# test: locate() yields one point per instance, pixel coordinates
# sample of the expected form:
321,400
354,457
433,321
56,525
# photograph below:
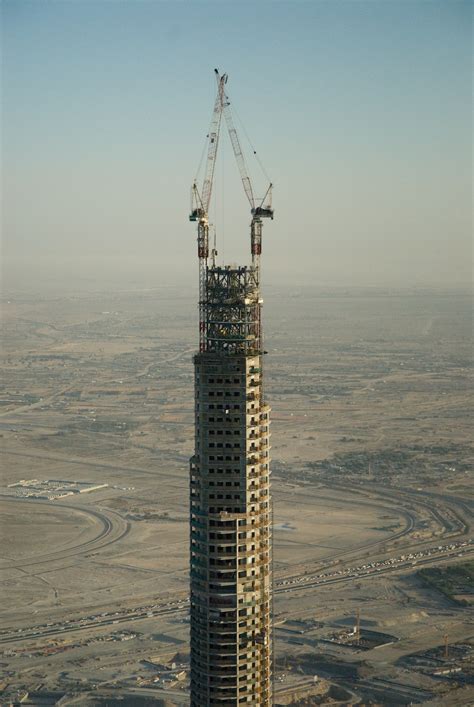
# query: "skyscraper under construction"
230,505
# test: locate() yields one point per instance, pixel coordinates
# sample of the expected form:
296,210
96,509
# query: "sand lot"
372,453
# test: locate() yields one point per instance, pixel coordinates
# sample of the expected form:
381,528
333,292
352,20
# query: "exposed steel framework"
201,199
230,504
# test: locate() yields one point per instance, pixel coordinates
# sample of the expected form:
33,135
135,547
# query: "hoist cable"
251,144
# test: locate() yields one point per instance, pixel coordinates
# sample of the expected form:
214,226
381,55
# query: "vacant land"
372,455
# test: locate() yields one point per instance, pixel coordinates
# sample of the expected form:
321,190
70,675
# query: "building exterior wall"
230,505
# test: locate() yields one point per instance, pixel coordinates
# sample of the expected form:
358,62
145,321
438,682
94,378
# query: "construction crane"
259,211
200,199
263,210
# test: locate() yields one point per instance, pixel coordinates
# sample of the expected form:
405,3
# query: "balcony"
261,487
237,554
221,641
219,551
219,589
224,568
222,580
224,662
253,526
223,614
227,604
224,541
222,633
226,679
222,651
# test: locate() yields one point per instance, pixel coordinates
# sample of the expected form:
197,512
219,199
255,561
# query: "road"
181,606
320,574
114,528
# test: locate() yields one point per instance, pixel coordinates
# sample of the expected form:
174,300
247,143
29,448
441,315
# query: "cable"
202,158
250,143
222,197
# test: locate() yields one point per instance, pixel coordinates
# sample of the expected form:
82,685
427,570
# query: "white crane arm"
214,133
239,156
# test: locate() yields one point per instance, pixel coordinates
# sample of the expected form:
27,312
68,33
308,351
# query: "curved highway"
417,553
113,529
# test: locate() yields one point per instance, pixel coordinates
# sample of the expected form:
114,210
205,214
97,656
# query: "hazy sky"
360,112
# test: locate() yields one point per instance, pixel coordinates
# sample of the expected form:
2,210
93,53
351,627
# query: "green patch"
452,581
388,528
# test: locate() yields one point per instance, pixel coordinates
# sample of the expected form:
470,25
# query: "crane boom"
239,156
214,133
201,201
259,211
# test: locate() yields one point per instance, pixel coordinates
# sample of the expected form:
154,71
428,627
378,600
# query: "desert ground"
371,479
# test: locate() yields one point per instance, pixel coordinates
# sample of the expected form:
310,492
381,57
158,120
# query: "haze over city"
360,113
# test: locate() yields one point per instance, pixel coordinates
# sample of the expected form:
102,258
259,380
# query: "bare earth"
372,457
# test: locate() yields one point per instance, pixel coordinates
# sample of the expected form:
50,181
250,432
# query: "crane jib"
201,200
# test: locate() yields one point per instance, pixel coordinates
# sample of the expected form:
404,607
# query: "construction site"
96,583
230,506
351,583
